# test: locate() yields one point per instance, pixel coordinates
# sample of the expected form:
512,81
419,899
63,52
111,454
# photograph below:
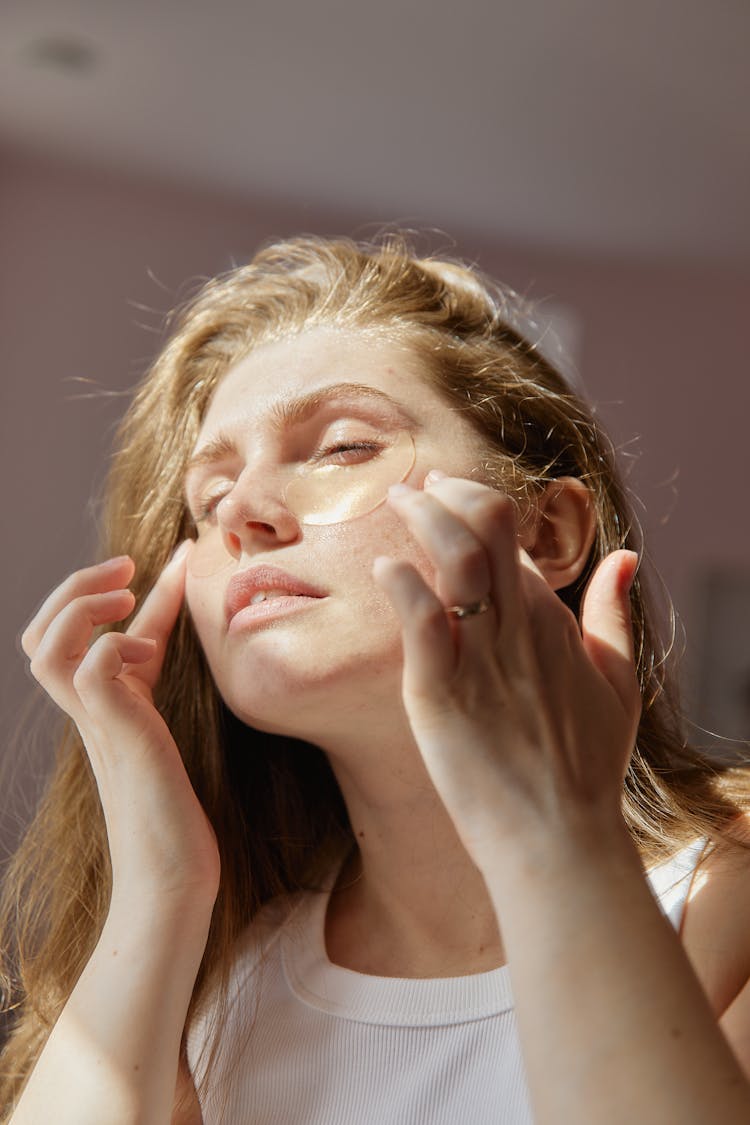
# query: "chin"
305,702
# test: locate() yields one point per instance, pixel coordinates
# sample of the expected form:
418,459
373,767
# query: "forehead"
257,391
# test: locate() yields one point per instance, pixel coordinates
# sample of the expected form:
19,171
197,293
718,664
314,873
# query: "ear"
561,531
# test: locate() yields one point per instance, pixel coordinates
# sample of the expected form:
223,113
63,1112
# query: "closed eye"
346,447
207,506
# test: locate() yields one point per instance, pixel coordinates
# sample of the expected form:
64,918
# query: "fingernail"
435,475
398,490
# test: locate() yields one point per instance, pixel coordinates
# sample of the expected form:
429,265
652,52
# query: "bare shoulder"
716,921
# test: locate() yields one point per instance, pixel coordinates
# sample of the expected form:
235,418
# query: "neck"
409,900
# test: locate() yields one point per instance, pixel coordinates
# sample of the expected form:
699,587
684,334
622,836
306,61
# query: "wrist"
162,911
557,852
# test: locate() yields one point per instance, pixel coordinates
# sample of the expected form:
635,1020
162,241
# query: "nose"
255,509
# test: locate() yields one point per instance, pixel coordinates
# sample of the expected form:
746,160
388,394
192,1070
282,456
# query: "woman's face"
292,665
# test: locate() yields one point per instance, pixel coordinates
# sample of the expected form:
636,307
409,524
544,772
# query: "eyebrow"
294,411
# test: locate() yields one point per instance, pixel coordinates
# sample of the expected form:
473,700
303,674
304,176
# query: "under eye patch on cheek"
332,493
321,493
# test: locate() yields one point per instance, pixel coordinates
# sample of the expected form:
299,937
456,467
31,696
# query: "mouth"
269,611
267,590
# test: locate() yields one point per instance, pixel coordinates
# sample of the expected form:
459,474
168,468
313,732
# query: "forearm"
113,1053
614,1025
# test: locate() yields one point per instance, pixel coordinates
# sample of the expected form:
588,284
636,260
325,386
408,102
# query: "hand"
525,720
160,839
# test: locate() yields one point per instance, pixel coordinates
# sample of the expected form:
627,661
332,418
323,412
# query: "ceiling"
600,125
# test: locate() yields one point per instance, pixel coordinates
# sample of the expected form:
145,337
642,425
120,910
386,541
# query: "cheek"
204,602
339,556
355,546
396,540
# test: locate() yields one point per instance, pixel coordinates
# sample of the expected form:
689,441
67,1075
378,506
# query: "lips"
248,582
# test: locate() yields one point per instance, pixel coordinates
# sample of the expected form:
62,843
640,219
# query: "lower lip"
272,608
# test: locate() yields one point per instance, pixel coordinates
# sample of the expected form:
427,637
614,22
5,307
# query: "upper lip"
246,583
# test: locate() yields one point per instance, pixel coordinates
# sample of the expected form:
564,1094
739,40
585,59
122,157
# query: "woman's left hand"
525,719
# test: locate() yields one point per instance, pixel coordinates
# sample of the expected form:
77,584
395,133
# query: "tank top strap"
671,881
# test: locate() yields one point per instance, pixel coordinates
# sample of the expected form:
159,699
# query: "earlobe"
560,536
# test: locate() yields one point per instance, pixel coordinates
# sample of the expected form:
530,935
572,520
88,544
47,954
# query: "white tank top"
330,1046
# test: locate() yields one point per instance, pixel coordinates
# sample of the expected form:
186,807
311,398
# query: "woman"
350,754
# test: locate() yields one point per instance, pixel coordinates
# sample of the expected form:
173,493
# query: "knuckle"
469,561
44,662
499,509
38,668
82,674
491,503
28,641
93,666
464,550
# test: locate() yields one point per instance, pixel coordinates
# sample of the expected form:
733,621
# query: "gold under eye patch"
324,492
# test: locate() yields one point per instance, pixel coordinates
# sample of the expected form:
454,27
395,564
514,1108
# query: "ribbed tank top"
330,1046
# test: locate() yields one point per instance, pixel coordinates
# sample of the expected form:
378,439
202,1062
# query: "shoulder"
221,1012
716,920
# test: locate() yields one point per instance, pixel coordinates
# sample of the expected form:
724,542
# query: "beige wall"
664,352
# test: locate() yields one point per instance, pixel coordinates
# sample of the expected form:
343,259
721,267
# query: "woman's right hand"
160,840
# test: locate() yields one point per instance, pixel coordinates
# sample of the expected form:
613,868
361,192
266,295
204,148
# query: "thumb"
157,615
606,626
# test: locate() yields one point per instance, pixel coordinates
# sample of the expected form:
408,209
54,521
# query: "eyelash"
207,506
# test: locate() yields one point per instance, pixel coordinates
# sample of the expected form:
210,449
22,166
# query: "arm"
613,1022
113,1054
735,1024
526,720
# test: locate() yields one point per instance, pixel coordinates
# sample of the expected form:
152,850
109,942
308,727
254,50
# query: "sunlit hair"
274,802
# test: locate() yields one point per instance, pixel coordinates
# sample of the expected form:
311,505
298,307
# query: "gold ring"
470,610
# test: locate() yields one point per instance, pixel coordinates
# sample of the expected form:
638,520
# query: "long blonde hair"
277,811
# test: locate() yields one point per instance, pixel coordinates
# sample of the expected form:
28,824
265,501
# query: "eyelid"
196,480
199,507
382,421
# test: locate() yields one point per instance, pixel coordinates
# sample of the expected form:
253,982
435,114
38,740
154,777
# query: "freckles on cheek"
382,533
396,540
385,533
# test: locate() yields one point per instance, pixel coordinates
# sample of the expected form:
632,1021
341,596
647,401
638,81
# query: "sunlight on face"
291,470
342,482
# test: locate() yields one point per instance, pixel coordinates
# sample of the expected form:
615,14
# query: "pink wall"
663,353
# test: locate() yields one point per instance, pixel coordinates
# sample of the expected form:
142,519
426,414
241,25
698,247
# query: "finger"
104,696
429,651
492,517
157,615
110,575
67,639
606,622
462,571
551,631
